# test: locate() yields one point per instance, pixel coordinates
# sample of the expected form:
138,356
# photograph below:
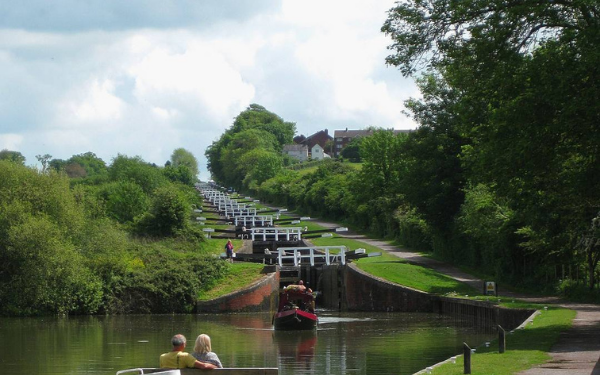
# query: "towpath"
577,351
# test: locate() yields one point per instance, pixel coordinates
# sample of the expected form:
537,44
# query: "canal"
344,343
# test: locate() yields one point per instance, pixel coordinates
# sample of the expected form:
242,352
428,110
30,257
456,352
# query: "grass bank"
398,271
525,347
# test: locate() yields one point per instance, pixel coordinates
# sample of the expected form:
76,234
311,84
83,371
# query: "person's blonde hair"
202,344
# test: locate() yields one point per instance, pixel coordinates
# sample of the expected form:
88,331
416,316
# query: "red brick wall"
261,296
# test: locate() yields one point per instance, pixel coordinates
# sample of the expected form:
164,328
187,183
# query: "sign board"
489,288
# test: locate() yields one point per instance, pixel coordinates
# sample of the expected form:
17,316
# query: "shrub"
168,213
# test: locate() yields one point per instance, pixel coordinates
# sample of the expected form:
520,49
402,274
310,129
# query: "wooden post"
501,340
467,355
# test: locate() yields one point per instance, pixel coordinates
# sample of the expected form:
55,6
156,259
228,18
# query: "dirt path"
578,349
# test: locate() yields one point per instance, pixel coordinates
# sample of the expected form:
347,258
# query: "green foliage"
39,194
576,290
489,229
14,156
168,284
62,250
254,129
168,213
413,230
510,102
124,200
40,270
92,164
149,177
351,151
257,117
182,157
433,180
181,174
262,164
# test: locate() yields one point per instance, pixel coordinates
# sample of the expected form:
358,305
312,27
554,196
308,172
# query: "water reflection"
343,343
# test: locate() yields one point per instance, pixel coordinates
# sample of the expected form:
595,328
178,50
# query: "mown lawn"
398,271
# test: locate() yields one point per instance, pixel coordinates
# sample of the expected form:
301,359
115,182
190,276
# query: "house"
299,152
342,137
318,153
320,138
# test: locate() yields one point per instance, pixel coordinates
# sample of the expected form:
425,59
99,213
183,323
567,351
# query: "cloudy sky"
144,77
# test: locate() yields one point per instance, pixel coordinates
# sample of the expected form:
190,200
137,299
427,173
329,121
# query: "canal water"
344,343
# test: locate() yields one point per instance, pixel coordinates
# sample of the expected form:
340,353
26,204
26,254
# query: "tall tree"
182,157
254,128
526,81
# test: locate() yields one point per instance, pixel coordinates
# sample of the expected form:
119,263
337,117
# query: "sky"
145,77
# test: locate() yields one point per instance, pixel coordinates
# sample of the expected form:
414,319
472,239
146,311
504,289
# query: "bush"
124,200
168,283
168,214
42,273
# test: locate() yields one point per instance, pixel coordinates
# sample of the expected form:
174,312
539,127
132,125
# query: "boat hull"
294,320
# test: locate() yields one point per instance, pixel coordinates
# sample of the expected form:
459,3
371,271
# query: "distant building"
320,138
299,152
317,152
342,137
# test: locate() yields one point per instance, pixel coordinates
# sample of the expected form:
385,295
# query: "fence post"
501,339
467,355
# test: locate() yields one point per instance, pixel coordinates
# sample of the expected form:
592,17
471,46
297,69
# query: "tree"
523,82
92,164
352,150
75,170
124,200
434,180
168,213
258,117
382,164
590,244
235,165
124,168
44,161
182,157
253,128
180,174
14,156
430,33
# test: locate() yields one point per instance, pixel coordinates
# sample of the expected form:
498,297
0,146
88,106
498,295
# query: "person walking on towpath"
229,251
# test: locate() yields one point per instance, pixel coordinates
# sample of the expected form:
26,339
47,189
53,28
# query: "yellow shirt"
177,360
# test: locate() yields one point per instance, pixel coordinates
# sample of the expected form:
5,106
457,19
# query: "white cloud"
152,85
198,78
94,103
10,141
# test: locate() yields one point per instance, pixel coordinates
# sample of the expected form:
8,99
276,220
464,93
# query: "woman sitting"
203,351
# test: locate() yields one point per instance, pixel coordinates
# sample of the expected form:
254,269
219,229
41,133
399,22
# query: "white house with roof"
317,152
299,152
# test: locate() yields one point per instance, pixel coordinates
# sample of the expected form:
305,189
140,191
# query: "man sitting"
177,358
